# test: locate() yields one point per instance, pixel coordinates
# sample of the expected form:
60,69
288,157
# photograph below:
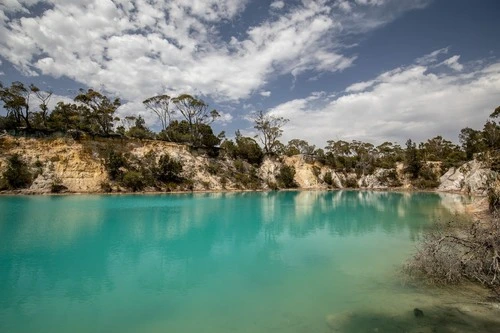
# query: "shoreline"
396,190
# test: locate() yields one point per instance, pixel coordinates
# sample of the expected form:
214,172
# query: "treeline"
94,114
187,119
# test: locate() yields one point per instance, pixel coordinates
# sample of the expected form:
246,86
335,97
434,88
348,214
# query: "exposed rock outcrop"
472,178
79,166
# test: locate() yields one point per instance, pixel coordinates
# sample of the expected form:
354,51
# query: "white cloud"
136,49
453,63
225,118
277,4
265,93
139,48
408,102
432,57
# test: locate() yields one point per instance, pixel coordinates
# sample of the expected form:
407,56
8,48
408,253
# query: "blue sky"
373,70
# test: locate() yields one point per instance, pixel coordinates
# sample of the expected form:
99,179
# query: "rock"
418,313
472,178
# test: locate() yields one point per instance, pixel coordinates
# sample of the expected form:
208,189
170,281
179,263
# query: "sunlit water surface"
239,262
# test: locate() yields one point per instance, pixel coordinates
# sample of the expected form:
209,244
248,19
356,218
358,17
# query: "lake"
221,262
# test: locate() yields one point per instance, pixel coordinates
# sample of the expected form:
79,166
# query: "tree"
161,106
168,170
413,163
196,113
43,98
270,128
286,177
472,141
16,100
297,146
100,110
140,130
17,174
66,117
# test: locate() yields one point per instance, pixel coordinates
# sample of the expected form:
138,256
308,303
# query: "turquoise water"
238,262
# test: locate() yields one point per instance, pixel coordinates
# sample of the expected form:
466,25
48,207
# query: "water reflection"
163,248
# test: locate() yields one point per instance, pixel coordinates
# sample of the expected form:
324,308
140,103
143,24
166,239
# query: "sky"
371,70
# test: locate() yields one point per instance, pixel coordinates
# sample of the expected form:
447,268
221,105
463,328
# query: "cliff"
80,167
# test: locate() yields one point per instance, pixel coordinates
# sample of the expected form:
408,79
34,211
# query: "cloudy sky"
373,70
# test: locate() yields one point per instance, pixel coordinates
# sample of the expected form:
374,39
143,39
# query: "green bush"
351,182
133,180
168,170
390,178
17,175
327,178
285,177
213,168
427,178
114,161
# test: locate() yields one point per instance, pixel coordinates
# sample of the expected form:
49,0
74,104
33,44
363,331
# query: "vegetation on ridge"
186,119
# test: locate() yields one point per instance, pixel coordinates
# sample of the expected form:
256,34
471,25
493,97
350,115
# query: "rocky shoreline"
79,167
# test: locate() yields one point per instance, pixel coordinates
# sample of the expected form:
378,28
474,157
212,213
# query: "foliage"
328,179
271,129
285,177
17,101
99,110
245,148
133,180
140,130
17,175
390,178
427,178
114,162
297,146
412,159
168,170
161,106
196,114
448,255
351,182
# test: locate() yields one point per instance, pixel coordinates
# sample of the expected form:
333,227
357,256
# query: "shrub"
448,255
351,182
272,186
239,166
17,174
106,187
389,178
285,177
168,170
213,168
133,180
327,178
427,178
114,161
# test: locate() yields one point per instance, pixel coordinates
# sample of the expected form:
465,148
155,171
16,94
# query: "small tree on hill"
271,129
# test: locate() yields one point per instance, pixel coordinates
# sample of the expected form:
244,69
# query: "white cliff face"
472,177
373,181
268,171
79,167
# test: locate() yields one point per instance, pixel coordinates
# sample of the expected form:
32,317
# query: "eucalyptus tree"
16,100
100,110
472,141
161,105
43,98
271,129
196,113
298,146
